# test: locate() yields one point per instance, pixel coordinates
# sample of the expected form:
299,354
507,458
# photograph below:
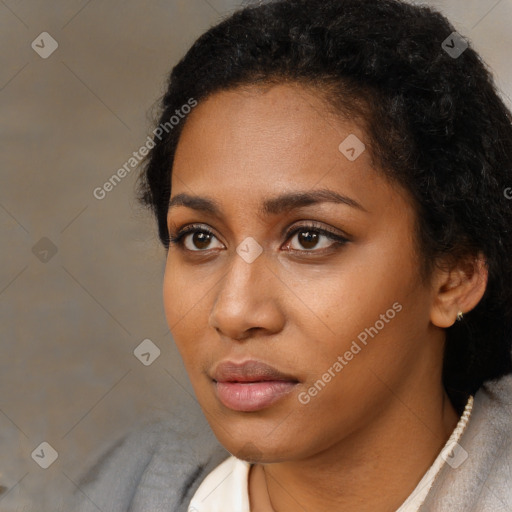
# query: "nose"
247,300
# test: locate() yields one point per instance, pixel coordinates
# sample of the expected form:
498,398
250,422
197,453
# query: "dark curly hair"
435,125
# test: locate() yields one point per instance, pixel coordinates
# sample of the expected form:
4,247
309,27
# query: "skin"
363,442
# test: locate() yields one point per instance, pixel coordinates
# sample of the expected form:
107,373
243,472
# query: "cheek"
357,370
351,376
183,307
172,290
339,302
370,313
182,296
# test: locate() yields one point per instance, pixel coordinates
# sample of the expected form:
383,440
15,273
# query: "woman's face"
325,291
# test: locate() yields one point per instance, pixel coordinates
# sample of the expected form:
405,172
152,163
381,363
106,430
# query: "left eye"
314,238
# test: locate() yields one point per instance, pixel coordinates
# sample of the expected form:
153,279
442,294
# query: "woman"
331,196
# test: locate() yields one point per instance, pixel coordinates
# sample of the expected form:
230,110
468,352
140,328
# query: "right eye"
193,238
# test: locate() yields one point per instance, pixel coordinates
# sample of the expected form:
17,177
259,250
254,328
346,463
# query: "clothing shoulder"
479,475
156,467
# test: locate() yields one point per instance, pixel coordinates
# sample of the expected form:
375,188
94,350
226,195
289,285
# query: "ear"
458,287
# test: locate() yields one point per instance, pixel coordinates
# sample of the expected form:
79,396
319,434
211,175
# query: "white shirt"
226,488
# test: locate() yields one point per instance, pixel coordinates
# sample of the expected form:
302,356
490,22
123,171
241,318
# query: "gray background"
69,325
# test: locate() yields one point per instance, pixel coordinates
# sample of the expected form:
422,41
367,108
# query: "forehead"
284,133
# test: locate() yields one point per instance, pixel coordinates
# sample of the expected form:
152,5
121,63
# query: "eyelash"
178,239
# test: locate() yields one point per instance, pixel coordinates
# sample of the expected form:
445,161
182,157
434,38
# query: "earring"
460,315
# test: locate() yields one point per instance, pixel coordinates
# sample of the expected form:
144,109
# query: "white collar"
226,488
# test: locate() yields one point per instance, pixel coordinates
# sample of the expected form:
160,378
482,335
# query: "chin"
261,453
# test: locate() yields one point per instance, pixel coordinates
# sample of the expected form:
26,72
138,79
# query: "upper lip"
248,371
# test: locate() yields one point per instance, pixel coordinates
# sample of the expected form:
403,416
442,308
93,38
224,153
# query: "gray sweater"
159,468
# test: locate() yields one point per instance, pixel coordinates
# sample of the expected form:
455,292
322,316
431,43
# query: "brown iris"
308,239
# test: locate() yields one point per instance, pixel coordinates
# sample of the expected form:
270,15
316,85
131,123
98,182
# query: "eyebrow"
274,206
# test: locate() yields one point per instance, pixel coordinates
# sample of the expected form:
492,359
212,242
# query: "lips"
248,371
251,385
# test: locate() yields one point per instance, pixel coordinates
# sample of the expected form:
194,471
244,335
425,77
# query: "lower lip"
252,396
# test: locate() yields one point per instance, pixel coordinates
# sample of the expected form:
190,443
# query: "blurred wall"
80,274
